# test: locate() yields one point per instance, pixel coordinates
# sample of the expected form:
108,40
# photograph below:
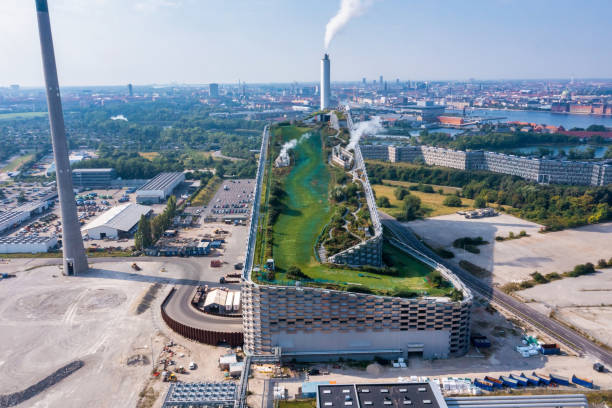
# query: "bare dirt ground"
48,320
515,260
584,302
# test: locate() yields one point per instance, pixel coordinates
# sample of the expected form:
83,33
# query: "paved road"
542,322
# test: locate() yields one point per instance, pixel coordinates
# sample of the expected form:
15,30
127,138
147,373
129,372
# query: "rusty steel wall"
211,337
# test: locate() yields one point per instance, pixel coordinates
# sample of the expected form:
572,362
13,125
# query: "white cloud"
154,5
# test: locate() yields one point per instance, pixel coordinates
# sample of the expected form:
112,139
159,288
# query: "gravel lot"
514,260
48,320
584,302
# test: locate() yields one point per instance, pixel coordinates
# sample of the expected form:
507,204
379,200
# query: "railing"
251,241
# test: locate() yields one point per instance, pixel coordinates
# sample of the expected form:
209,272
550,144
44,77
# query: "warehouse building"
17,216
27,244
118,222
159,188
93,178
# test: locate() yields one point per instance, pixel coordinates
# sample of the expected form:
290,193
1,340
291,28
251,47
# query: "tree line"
151,229
555,206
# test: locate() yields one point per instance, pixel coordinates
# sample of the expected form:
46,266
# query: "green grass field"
17,162
430,202
307,207
22,115
306,211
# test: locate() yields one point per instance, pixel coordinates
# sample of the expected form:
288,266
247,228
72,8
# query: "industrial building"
428,395
27,244
159,188
325,83
222,301
118,222
413,394
545,171
15,217
93,178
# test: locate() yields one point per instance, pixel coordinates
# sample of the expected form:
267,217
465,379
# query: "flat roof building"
94,178
26,244
159,188
117,222
413,395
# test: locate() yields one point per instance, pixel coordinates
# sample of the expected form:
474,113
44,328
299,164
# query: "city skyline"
163,41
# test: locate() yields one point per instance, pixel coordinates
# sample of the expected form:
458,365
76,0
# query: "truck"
599,367
582,381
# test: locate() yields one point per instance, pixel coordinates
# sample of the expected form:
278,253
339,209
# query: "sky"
115,42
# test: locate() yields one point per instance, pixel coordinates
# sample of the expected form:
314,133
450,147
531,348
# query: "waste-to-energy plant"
325,83
74,261
321,323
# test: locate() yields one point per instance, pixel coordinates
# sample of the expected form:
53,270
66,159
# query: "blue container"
550,351
533,380
582,381
485,385
559,379
496,383
521,380
544,379
509,382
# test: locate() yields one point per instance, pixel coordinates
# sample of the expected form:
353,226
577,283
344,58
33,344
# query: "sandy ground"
48,320
584,302
514,260
500,359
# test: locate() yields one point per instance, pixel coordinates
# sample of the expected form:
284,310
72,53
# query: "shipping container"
485,385
550,351
533,380
522,381
582,381
544,379
509,382
549,345
559,379
496,383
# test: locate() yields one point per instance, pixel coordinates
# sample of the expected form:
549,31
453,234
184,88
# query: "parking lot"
232,201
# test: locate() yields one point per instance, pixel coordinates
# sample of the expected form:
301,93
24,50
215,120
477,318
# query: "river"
556,119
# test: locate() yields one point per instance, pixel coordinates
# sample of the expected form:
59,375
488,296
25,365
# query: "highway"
559,332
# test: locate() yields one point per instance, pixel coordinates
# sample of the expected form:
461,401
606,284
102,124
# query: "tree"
452,201
596,128
21,198
480,202
410,208
383,202
400,193
142,238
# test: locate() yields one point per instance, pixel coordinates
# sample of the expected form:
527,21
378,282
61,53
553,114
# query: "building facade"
93,178
302,321
545,171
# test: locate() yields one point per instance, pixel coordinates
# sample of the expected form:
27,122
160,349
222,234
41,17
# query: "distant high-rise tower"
325,85
381,81
75,260
363,80
213,90
130,90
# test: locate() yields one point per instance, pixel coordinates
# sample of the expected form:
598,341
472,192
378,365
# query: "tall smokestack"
325,87
75,260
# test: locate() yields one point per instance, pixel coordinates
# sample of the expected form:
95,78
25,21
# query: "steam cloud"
348,10
369,127
284,153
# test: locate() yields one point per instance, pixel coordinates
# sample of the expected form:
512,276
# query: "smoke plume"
369,127
348,10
